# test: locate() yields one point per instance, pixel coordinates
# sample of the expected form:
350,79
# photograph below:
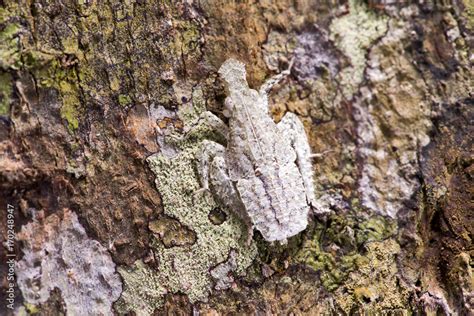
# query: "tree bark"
104,208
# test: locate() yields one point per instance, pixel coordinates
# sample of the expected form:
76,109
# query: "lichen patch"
59,254
185,269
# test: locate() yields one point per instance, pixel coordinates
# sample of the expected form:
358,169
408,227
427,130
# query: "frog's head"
234,74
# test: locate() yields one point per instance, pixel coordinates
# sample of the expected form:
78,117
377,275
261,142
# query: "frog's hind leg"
207,121
214,177
293,128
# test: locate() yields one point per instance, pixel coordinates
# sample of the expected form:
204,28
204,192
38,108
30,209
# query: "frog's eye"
226,113
228,108
258,173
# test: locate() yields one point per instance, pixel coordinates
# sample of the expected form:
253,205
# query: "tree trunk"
103,202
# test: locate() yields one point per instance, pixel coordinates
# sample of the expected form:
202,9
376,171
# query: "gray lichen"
222,272
353,34
393,120
58,254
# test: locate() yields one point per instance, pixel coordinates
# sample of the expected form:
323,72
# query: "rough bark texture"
87,89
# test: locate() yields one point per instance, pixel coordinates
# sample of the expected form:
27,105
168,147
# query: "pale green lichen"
27,310
9,46
347,233
124,100
144,289
187,40
353,34
375,283
77,50
469,13
9,57
47,69
185,269
6,90
366,274
70,109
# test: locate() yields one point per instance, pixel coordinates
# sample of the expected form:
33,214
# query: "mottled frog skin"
264,173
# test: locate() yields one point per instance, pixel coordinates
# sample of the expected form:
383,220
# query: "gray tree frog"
264,173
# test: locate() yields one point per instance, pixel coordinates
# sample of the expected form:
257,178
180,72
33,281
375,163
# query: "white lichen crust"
58,254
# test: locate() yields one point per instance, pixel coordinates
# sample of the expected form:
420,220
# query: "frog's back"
275,200
254,139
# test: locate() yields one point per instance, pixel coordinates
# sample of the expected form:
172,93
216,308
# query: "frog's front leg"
214,177
207,125
291,127
270,83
